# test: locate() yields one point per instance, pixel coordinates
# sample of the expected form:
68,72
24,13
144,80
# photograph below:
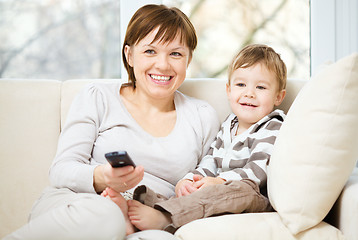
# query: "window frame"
334,30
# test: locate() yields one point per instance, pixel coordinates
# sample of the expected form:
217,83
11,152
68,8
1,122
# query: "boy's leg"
147,196
63,214
231,197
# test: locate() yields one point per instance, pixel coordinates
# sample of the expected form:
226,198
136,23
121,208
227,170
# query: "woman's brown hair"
169,21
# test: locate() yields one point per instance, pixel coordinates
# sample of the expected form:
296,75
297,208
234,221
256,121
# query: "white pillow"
317,147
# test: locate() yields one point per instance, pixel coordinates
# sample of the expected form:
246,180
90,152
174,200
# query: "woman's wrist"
98,179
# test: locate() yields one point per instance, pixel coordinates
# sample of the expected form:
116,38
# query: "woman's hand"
119,179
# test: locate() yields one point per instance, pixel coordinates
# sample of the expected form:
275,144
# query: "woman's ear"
189,60
280,96
128,54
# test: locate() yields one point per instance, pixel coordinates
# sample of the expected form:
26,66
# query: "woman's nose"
162,62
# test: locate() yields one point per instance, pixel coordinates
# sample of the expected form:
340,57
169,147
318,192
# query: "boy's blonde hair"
260,53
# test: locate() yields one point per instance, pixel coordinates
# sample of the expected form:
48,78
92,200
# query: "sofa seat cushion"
344,215
251,226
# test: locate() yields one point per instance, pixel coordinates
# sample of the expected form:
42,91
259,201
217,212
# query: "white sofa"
31,115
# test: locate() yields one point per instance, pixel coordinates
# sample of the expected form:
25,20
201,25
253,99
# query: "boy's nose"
249,94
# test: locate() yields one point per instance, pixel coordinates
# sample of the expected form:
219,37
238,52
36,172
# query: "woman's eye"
176,54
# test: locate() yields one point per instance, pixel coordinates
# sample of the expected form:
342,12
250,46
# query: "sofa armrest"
344,214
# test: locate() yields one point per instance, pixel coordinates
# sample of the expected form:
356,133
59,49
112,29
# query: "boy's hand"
184,187
207,181
197,177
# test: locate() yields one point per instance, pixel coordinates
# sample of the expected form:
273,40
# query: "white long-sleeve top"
98,122
244,156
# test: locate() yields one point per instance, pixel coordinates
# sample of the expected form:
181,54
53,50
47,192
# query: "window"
59,39
224,27
66,39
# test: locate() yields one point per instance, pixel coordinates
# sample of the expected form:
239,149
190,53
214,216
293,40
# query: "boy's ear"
280,96
128,54
228,90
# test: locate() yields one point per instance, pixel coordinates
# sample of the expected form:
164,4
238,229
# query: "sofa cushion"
317,147
251,226
210,90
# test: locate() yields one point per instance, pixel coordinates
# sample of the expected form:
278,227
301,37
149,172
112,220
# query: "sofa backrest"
208,89
29,130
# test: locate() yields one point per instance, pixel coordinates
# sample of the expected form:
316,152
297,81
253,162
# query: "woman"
165,132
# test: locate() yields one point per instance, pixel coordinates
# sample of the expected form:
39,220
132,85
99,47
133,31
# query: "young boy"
232,177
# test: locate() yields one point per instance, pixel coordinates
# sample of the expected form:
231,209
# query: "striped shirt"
244,156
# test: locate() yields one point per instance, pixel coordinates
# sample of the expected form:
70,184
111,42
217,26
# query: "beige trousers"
62,214
231,197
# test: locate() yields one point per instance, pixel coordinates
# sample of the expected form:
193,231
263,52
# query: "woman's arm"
72,165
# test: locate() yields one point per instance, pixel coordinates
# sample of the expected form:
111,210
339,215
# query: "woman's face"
159,68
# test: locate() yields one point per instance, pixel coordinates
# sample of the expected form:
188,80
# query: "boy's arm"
255,169
207,166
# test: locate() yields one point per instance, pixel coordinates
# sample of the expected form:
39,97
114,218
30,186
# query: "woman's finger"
127,181
122,171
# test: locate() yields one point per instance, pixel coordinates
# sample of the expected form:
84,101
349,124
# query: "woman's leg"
63,214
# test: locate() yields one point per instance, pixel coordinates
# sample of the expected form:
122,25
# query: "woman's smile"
160,79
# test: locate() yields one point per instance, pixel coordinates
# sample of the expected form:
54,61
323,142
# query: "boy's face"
253,93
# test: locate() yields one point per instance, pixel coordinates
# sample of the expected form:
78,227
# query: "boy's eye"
240,84
261,87
149,51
